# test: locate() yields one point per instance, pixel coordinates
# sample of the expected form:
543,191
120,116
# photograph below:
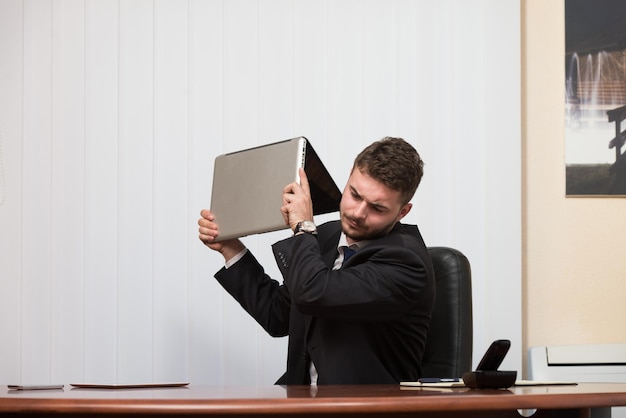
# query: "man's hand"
297,205
209,231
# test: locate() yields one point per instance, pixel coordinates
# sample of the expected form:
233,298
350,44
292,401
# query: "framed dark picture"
595,97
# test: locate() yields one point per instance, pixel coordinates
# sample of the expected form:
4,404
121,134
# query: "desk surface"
337,400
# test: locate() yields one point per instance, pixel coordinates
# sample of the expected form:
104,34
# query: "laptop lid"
248,185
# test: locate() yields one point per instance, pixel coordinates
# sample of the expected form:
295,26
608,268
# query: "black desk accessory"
487,375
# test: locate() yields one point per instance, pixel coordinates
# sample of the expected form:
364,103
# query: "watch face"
308,226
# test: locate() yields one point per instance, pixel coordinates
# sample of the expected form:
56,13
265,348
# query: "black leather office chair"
448,350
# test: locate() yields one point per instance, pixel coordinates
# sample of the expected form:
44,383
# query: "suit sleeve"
266,300
383,281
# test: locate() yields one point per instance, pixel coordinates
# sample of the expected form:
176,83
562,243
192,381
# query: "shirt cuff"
236,258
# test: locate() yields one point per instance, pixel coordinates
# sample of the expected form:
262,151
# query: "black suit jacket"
365,323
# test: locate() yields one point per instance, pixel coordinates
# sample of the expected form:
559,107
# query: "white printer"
581,363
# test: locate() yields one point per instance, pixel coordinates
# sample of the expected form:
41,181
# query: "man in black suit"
351,319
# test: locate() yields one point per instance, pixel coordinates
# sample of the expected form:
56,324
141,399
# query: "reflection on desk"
365,400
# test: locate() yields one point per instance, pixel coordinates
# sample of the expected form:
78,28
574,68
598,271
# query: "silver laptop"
248,185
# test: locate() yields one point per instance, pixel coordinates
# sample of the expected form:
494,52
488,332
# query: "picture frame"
595,98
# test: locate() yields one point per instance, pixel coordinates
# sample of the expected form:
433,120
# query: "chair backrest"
448,351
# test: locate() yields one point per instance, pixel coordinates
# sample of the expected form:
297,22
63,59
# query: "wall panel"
502,155
205,308
344,83
310,60
136,189
36,236
171,174
102,220
380,69
68,189
11,111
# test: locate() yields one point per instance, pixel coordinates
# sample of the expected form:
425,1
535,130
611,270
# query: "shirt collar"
343,242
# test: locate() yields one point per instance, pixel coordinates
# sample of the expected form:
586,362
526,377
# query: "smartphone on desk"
494,356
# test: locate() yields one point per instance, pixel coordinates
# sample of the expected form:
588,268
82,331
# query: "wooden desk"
327,401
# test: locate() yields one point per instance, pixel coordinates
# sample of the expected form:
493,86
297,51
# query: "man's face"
368,208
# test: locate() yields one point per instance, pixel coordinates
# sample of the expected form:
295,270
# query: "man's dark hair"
395,163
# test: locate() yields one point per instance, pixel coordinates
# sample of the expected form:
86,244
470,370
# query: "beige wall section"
574,249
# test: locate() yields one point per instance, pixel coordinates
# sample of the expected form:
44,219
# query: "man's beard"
360,234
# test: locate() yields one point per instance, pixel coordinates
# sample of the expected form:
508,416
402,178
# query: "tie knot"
347,253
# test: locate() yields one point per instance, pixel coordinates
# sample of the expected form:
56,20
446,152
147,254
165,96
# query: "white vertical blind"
68,190
102,109
112,112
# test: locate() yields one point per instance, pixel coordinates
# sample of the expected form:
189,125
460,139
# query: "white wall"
111,113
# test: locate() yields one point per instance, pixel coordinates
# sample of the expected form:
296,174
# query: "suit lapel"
328,248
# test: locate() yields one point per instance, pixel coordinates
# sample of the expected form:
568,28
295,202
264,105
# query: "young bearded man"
351,319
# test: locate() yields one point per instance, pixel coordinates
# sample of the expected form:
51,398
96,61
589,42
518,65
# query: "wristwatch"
305,226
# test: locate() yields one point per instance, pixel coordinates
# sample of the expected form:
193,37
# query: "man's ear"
404,211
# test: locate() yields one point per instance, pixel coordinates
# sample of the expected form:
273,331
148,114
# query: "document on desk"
542,383
128,385
35,387
458,383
